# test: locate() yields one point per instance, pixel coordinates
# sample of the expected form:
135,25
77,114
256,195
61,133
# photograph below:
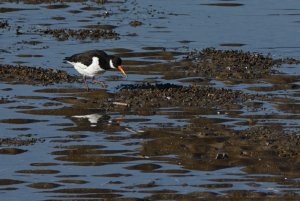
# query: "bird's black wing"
86,58
103,59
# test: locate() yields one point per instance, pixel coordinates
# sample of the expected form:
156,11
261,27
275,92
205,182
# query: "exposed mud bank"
168,95
203,143
206,145
18,141
152,97
233,64
80,34
20,74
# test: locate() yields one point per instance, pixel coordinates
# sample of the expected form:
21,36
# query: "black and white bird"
94,62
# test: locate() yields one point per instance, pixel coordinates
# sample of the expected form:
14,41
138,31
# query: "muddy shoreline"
255,148
20,74
265,145
187,119
213,145
233,64
210,63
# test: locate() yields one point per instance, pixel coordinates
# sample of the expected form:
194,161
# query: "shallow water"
140,155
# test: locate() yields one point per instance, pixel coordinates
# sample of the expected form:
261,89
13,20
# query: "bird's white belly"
89,71
80,68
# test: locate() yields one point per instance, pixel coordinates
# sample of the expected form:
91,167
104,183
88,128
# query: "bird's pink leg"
85,83
100,82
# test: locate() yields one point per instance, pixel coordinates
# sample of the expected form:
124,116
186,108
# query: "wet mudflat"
209,111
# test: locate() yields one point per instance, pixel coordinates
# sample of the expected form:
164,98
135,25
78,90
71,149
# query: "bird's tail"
67,60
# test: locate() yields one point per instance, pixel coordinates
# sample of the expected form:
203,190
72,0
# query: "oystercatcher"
94,62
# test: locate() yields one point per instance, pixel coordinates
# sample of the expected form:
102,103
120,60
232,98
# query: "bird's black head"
116,61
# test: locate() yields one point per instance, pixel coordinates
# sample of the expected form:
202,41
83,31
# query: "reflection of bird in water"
94,62
93,118
104,119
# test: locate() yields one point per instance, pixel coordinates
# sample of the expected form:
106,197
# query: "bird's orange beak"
121,69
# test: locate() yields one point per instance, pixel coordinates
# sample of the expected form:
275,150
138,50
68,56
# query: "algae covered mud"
209,111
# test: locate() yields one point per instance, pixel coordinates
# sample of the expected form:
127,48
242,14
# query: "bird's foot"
103,85
85,83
